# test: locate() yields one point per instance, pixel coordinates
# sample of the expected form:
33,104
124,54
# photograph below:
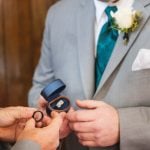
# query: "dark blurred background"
21,30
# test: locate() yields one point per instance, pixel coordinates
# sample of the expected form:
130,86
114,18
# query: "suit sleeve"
134,128
5,146
26,145
44,72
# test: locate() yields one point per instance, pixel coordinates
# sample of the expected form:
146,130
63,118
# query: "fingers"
71,110
83,127
63,115
54,114
56,122
46,120
20,112
64,129
88,104
81,115
88,114
57,118
86,136
65,124
39,124
30,124
42,103
88,143
25,112
10,115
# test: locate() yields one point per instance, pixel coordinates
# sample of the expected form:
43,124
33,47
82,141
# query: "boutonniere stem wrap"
126,20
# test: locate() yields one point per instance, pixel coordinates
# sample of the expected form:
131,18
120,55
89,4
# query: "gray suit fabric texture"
20,145
26,145
68,53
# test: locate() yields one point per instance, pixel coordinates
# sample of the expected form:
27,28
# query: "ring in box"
56,102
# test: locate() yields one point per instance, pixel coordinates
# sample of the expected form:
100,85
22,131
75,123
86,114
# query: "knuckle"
79,136
99,141
71,125
76,116
19,108
82,143
75,126
78,126
96,127
97,136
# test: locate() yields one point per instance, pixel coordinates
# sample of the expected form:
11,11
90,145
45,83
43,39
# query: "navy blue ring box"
56,102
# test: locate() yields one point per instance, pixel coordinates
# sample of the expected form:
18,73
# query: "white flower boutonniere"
126,20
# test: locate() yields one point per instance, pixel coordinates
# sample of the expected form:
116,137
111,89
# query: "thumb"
71,110
56,121
30,124
88,104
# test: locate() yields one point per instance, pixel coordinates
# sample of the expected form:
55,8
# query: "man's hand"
64,129
42,104
47,137
12,121
9,115
95,126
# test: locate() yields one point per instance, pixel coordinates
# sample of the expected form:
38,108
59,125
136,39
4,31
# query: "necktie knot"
109,9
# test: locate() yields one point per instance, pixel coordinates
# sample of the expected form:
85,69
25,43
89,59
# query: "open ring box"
56,102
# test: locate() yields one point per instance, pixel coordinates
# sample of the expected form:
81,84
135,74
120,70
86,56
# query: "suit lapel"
121,50
145,2
85,37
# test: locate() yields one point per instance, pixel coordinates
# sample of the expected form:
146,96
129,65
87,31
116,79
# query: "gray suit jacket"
26,145
21,145
68,53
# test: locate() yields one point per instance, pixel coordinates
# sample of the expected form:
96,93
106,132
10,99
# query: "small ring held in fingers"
38,116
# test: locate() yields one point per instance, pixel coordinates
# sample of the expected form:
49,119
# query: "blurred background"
21,30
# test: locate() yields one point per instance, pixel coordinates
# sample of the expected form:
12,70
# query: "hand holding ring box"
56,102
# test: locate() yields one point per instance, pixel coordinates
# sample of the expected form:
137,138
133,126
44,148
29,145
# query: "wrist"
3,135
2,117
6,134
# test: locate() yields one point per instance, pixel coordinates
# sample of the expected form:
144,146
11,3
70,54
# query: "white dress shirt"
101,17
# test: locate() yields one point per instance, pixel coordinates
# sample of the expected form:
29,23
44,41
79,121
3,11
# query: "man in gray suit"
16,124
119,116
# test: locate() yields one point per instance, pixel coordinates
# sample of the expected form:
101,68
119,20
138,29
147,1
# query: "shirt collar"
100,6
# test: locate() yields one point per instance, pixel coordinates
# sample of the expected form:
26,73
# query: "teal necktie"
105,45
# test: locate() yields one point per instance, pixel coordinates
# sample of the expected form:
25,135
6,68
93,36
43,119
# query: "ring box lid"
53,90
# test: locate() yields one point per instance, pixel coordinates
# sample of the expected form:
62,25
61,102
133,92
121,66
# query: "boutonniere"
126,20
